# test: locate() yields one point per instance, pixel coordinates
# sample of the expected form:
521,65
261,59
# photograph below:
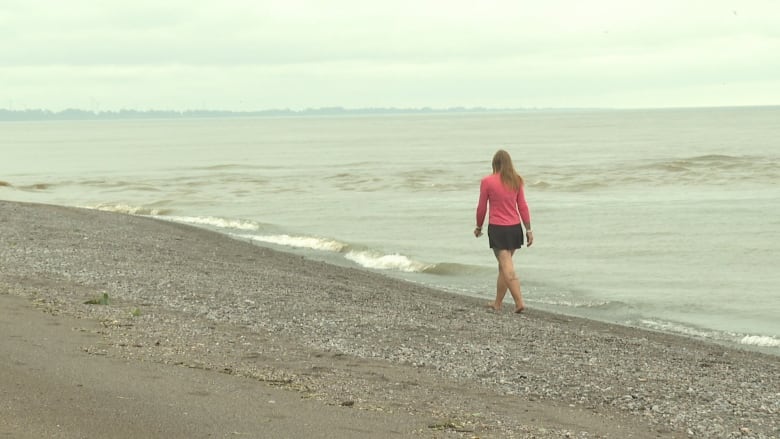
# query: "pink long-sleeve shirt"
507,207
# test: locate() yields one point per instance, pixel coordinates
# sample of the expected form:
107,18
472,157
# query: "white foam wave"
574,304
222,223
299,242
759,340
126,208
386,262
752,340
677,328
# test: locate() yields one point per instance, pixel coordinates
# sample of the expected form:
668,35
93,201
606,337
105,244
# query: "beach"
392,195
196,334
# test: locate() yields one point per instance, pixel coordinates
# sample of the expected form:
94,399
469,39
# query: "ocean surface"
662,219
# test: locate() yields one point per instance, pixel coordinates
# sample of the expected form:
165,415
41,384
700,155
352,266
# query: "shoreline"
689,331
354,340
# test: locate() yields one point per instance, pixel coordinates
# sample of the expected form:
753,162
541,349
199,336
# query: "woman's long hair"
502,164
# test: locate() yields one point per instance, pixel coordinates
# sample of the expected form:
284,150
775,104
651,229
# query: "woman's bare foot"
519,309
492,305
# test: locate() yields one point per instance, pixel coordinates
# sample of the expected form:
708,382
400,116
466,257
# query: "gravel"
185,296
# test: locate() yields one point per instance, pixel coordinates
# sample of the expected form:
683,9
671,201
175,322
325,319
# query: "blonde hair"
502,164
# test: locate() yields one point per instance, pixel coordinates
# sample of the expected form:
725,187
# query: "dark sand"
205,336
52,388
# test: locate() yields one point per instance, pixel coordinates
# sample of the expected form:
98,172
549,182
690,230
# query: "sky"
246,55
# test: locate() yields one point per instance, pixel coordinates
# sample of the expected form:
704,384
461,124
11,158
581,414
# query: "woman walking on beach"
503,192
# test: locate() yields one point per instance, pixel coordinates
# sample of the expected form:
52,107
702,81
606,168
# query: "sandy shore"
205,336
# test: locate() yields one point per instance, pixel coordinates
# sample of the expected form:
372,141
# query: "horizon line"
79,113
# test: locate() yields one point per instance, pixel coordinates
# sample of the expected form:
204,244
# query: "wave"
306,242
131,210
117,185
714,167
711,162
5,184
36,187
600,305
226,166
453,269
711,169
164,214
378,261
364,258
714,158
678,328
760,340
416,181
222,223
541,184
432,179
234,166
572,184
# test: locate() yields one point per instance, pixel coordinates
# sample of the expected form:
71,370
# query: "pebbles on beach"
189,297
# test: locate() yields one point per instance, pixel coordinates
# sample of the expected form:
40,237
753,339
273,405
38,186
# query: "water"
663,219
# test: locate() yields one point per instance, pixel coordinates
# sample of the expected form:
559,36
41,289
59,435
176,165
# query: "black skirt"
505,237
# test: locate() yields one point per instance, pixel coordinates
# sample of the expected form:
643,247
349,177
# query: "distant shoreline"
8,115
79,114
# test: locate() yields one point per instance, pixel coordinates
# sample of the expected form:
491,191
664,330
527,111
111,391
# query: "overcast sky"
261,54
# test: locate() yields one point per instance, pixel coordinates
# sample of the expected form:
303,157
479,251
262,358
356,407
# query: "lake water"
662,219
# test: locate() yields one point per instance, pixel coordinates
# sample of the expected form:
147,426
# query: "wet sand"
206,336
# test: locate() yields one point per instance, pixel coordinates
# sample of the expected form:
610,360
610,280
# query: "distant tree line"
77,114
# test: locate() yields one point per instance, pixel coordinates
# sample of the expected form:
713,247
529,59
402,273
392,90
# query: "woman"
503,192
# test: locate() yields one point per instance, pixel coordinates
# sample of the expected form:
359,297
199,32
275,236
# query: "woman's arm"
525,215
482,204
522,207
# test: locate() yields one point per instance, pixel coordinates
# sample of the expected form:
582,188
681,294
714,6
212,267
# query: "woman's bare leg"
506,271
500,292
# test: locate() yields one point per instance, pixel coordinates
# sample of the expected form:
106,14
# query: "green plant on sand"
102,300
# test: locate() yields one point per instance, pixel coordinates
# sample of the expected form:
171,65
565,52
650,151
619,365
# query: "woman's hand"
477,232
529,236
